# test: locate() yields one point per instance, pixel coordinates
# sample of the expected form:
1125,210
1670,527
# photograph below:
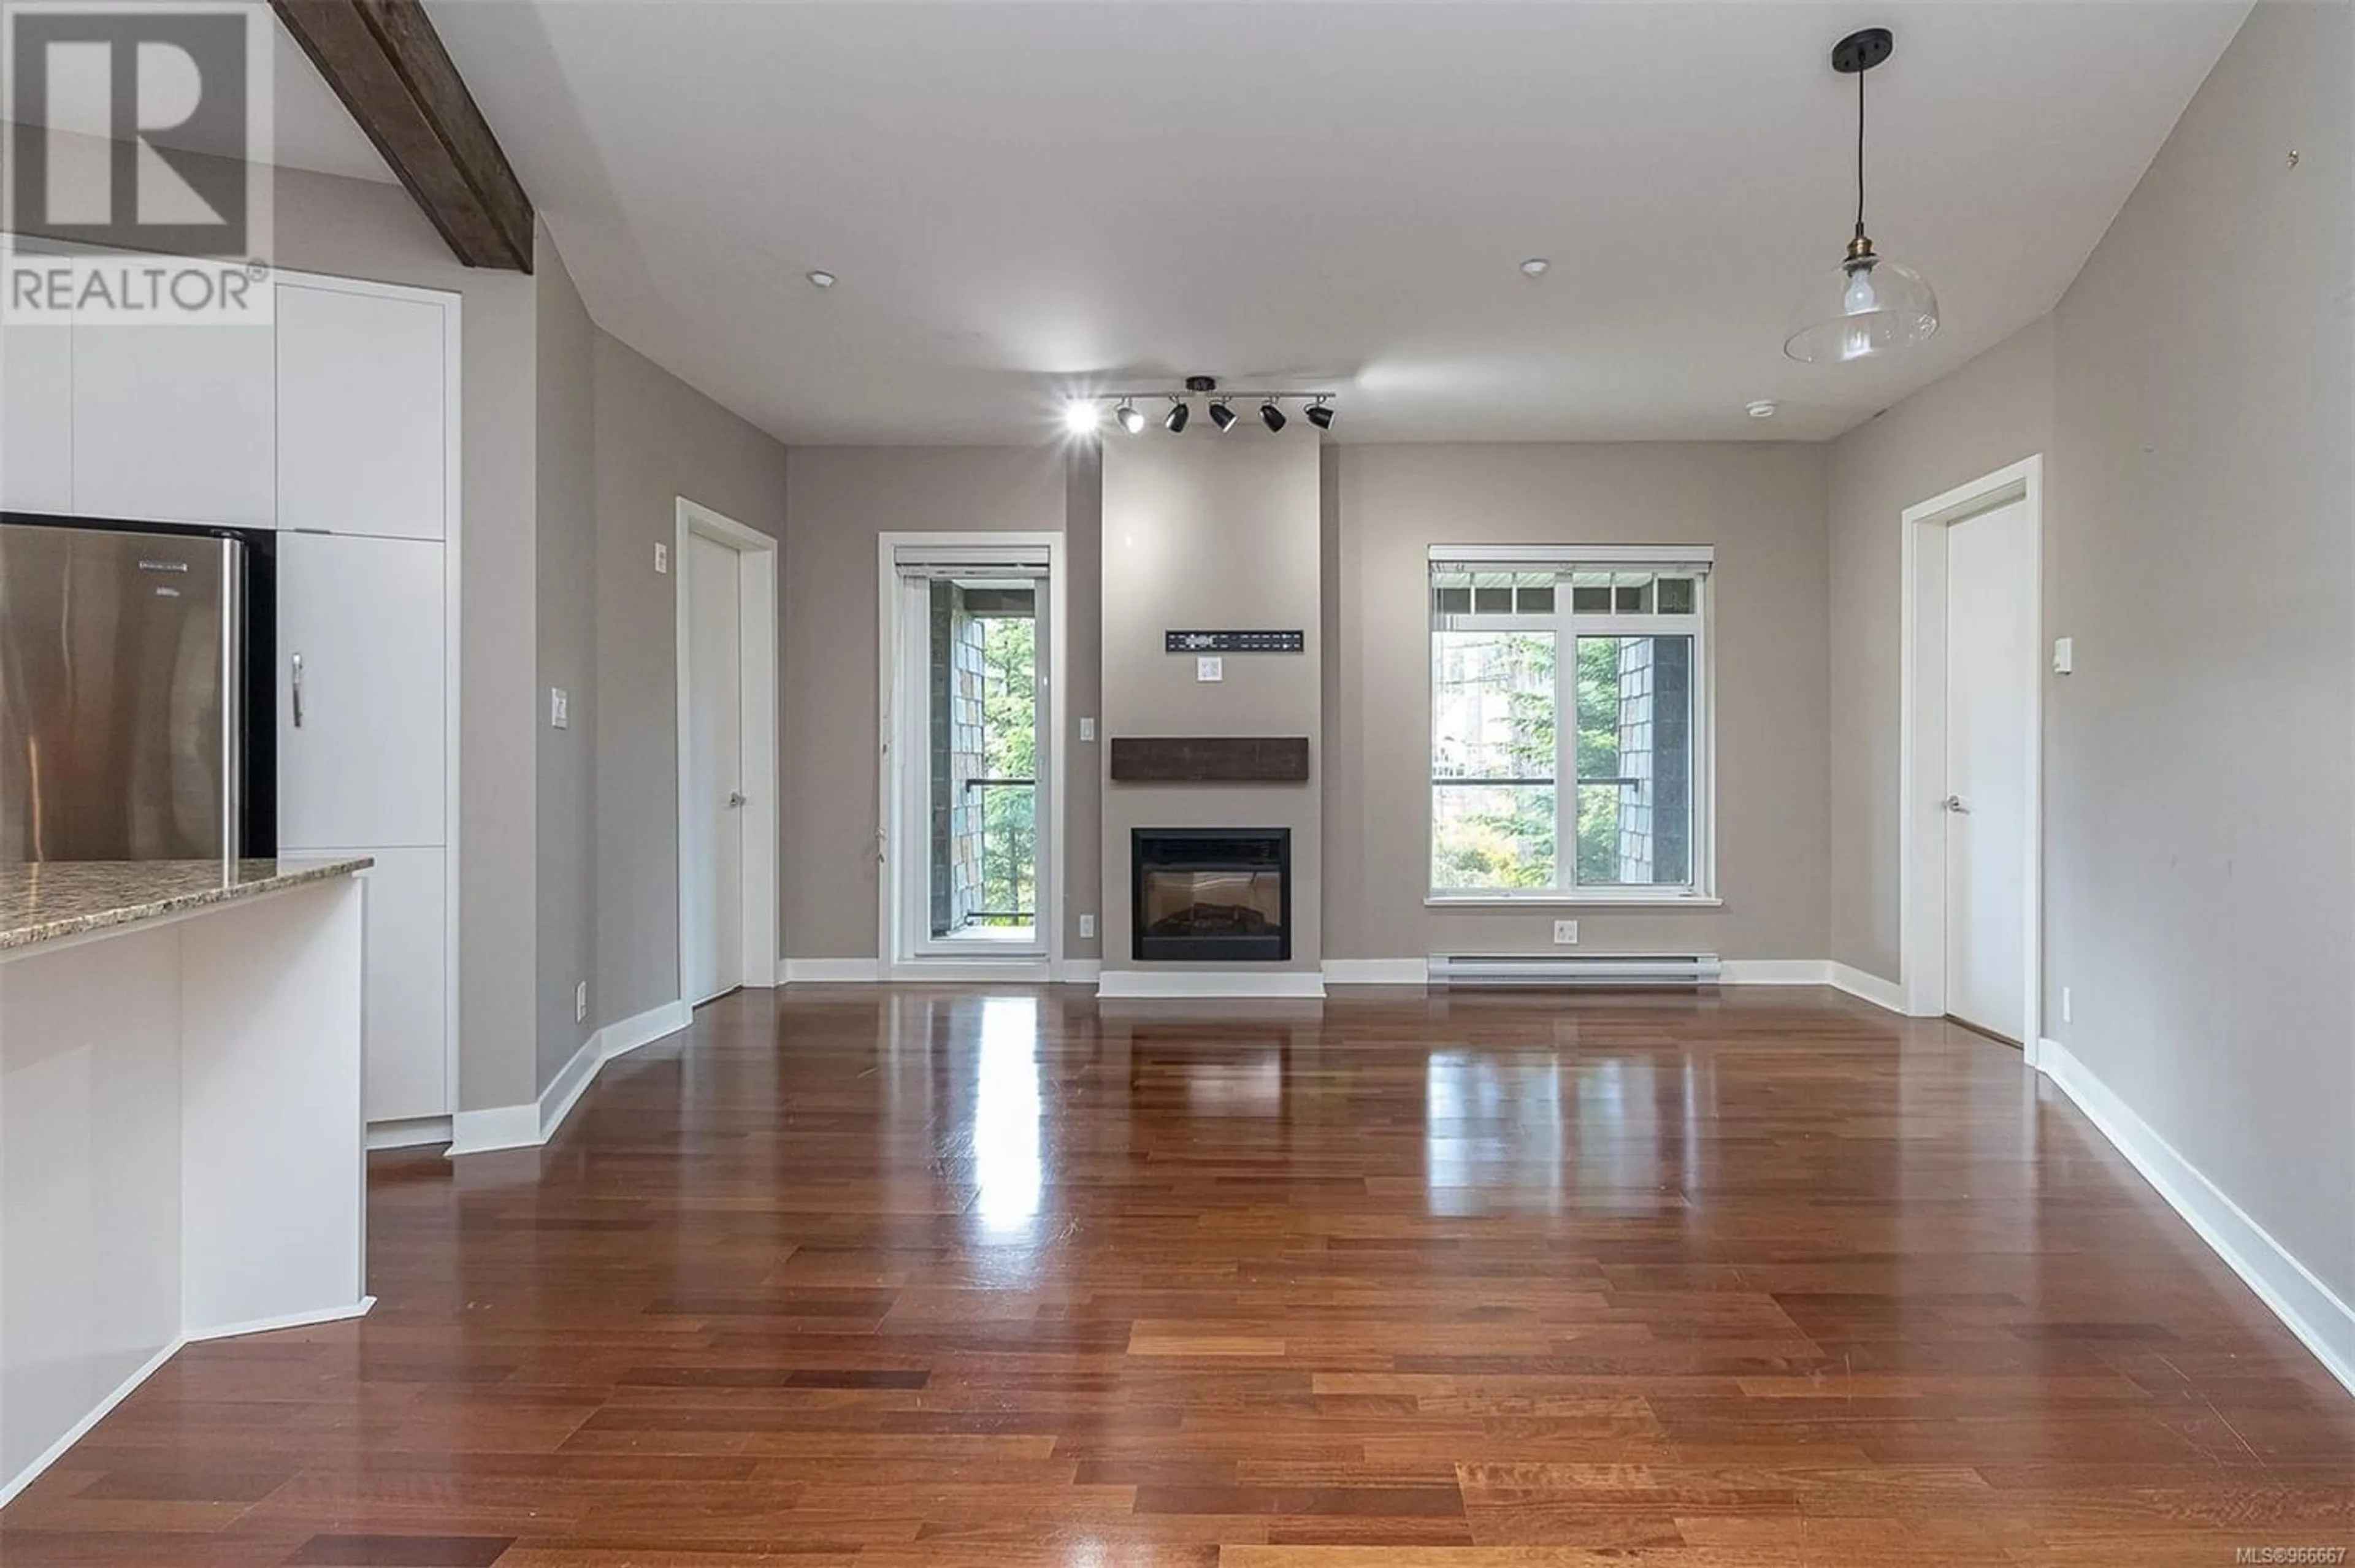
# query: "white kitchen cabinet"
362,386
175,423
362,711
408,966
36,419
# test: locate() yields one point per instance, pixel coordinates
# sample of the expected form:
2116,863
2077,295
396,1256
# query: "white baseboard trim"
493,1128
828,972
1774,972
410,1132
1377,971
1079,972
153,1364
360,1308
622,1038
2307,1307
1867,987
564,1090
80,1429
529,1127
1160,984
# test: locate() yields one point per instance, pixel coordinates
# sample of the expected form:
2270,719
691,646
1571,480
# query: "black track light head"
1320,414
1270,416
1179,414
1131,418
1221,415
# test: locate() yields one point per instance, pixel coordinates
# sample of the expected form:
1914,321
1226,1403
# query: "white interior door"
1991,660
714,824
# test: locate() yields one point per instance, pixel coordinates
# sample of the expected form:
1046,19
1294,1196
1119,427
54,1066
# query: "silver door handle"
735,797
1956,804
298,691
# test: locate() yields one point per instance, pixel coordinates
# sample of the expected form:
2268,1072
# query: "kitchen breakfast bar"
181,1139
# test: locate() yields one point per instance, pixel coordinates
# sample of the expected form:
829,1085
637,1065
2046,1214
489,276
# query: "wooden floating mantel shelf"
1210,758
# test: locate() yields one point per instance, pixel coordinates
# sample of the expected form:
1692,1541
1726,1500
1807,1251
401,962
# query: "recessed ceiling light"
1535,267
1763,409
822,278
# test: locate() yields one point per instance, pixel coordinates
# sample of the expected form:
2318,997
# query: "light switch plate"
662,558
560,709
580,1002
1087,925
1087,729
2064,654
1210,669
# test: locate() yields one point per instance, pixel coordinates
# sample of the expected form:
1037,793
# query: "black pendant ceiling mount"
1868,304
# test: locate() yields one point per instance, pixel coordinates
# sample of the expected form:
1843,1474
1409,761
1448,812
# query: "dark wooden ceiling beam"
386,63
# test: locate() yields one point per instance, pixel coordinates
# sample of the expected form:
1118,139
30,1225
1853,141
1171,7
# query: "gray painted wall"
2199,549
656,438
566,507
359,229
1210,533
840,501
1761,504
1990,414
2199,841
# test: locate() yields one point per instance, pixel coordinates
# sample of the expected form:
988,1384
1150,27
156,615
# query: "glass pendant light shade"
1868,305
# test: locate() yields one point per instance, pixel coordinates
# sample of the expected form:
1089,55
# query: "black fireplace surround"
1211,895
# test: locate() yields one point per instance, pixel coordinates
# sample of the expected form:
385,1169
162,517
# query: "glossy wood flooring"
892,1277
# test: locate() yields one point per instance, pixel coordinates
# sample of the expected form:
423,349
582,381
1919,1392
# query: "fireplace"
1213,895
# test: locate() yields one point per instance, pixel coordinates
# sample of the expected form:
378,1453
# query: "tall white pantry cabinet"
337,426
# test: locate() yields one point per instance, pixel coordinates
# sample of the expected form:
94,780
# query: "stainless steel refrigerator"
122,693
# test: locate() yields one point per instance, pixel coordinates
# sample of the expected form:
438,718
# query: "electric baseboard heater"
1539,971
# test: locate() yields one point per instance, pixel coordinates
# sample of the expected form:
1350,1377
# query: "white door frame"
891,668
756,600
1922,727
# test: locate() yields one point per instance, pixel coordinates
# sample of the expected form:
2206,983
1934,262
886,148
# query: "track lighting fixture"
1084,414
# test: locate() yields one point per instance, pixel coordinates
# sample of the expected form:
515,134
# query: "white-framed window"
1570,744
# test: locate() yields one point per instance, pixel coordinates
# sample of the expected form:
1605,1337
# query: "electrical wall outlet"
1565,931
1210,669
560,709
580,1002
1087,925
2068,1005
662,558
1087,729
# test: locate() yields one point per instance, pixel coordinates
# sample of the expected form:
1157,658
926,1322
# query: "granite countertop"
43,902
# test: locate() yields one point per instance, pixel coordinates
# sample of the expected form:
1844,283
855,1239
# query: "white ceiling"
1023,198
309,127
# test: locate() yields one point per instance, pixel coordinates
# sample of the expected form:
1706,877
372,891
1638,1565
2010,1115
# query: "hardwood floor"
900,1276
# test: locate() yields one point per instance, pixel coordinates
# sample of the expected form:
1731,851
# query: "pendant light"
1868,304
